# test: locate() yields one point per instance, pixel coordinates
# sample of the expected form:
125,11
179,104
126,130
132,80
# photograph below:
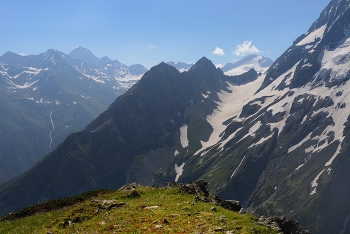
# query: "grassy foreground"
149,210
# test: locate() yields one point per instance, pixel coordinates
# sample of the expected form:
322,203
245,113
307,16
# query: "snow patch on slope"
262,140
179,170
314,183
252,130
235,171
230,104
336,61
223,143
313,36
183,136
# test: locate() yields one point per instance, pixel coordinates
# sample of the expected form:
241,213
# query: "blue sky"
152,31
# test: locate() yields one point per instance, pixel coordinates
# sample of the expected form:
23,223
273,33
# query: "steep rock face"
309,52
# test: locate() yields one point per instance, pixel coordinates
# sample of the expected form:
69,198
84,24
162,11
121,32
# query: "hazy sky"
152,31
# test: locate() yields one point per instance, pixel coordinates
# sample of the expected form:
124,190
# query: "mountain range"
278,142
252,61
46,97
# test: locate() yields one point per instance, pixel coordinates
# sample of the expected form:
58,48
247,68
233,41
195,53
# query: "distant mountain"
182,67
83,54
45,97
106,70
258,63
137,69
13,59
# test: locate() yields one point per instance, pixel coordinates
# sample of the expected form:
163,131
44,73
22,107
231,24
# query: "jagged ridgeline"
278,142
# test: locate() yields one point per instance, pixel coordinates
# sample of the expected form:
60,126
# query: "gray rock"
282,225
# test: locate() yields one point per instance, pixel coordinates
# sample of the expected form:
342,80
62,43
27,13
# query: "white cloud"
218,51
245,49
152,47
219,65
22,54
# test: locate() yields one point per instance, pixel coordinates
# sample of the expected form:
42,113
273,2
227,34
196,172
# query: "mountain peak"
105,60
162,66
203,64
83,54
47,59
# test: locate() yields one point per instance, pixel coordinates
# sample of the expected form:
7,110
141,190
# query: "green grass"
174,211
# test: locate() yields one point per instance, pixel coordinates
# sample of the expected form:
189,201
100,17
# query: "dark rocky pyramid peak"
156,74
163,68
203,64
205,69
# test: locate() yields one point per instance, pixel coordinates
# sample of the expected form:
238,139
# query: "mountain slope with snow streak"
281,143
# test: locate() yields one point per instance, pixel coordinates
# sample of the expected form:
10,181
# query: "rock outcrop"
278,223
